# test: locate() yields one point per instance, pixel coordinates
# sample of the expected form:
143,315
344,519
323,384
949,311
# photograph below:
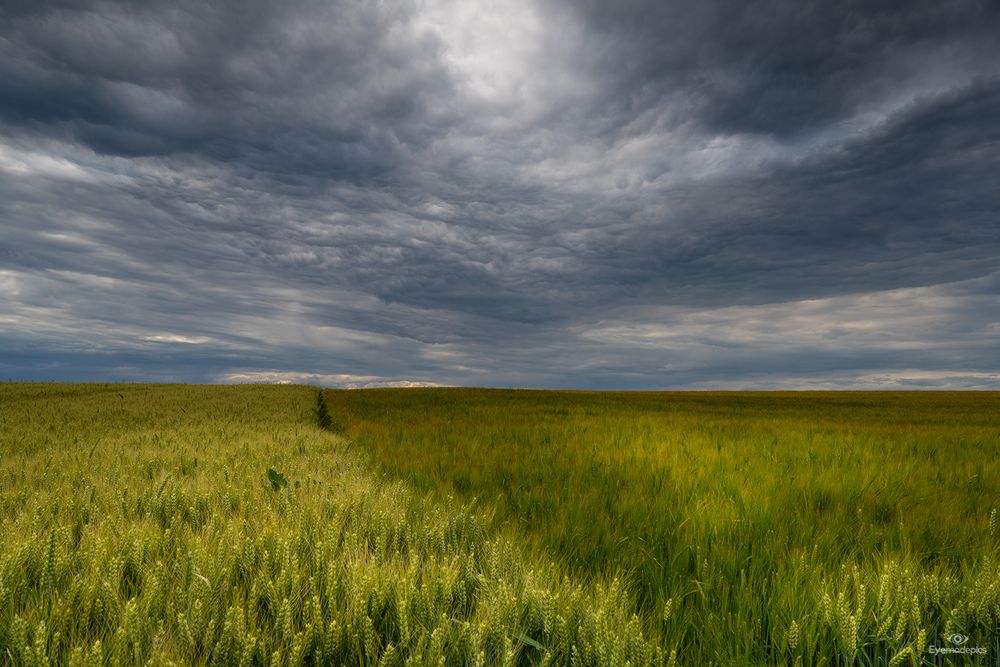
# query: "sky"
628,194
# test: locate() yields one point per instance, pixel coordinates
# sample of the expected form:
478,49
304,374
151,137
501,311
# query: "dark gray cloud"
623,195
777,67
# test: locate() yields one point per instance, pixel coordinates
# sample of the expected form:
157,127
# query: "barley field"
281,525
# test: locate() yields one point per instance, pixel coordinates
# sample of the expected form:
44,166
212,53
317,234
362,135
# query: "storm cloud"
629,194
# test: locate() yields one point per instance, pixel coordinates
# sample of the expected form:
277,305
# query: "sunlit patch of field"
783,528
225,525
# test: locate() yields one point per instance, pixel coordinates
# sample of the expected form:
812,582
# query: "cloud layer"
560,194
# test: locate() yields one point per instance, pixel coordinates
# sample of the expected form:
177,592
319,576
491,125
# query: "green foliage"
752,528
278,481
323,416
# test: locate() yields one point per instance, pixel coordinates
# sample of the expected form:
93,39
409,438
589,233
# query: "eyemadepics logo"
957,641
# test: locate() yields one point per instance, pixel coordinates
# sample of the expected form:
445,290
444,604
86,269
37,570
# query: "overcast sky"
631,194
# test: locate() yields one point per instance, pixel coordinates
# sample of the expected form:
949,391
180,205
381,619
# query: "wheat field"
840,528
280,525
